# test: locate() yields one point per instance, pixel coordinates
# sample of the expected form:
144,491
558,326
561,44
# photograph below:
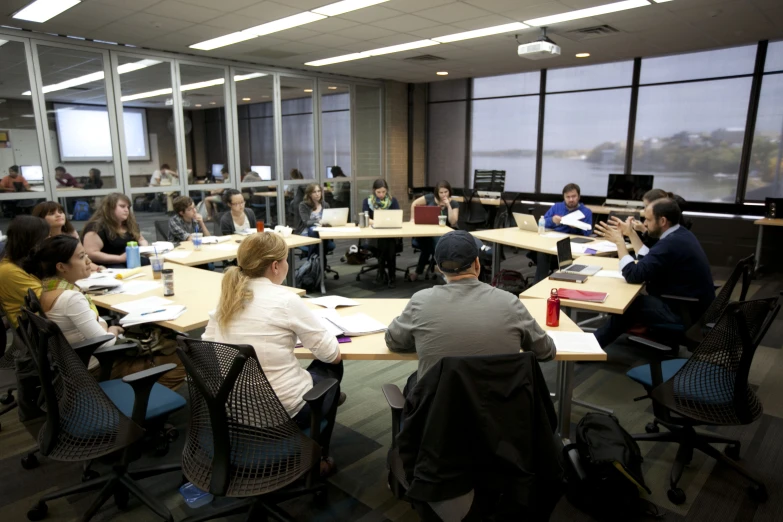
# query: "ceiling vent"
591,33
424,58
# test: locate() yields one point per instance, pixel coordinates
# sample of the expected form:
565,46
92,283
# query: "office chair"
375,266
7,357
241,442
472,215
429,270
86,420
711,388
161,230
505,218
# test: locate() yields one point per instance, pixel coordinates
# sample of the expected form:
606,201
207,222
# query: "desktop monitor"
489,181
264,172
628,187
33,173
217,171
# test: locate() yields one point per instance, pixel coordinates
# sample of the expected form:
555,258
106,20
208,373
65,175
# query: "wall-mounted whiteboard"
83,133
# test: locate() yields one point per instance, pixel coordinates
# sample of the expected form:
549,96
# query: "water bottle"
132,255
553,309
541,226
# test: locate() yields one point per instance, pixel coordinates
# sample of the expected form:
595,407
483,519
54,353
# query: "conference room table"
761,223
196,289
350,231
373,347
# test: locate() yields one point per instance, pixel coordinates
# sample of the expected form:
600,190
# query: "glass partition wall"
336,167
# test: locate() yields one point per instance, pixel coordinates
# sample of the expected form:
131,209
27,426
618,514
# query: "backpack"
604,471
308,275
81,211
510,281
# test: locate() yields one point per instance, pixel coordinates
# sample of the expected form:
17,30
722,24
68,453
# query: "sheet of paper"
144,305
158,246
168,313
139,287
106,281
573,220
339,229
212,240
610,273
228,247
333,301
359,324
179,254
579,248
554,235
603,246
575,342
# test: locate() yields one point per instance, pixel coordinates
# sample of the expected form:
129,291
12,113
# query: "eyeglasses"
240,204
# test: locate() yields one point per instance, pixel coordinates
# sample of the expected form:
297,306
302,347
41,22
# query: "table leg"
495,259
323,266
758,248
565,370
291,268
268,212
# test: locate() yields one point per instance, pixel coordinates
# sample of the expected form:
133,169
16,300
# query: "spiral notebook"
582,295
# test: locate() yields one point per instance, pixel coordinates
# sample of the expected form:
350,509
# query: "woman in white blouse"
255,309
239,218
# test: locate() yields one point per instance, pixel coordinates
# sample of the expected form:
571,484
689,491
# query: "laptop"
566,262
335,217
387,219
426,215
526,222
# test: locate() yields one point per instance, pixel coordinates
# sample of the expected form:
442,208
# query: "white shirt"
72,313
627,259
244,226
270,323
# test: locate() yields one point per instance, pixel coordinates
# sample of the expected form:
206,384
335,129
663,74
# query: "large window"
296,96
507,85
446,143
616,74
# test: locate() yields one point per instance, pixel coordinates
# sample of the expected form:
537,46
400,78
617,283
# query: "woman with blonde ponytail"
255,309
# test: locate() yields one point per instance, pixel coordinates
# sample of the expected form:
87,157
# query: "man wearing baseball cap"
465,316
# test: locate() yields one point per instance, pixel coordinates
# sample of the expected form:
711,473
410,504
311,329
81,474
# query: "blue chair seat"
642,375
162,401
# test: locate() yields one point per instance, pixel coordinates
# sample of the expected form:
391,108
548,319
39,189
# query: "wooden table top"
515,237
373,347
226,250
767,222
620,294
195,288
409,229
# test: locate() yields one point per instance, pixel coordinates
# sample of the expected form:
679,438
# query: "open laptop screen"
564,253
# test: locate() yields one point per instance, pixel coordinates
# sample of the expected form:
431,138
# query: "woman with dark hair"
238,218
24,233
94,180
54,214
448,208
110,229
386,249
311,209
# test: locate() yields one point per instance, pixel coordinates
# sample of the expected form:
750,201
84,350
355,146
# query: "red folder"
582,295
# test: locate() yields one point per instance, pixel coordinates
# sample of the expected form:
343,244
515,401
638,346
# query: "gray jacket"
304,216
227,222
466,317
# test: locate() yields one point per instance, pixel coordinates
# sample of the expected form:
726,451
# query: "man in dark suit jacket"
675,265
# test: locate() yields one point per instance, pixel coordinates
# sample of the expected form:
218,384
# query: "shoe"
341,399
412,276
328,467
392,283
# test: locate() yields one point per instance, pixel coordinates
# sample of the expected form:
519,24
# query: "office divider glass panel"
294,195
585,135
446,143
774,61
368,131
507,85
765,176
690,137
296,101
338,195
504,136
81,140
20,155
255,119
694,66
336,143
614,74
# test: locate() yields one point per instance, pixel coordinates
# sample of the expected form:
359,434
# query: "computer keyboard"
575,268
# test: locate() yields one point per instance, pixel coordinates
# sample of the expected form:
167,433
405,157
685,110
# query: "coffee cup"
157,266
196,237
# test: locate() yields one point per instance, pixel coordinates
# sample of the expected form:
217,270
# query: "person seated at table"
311,210
255,309
64,179
14,181
94,180
163,176
110,229
553,220
55,216
250,175
238,218
386,248
675,265
215,196
185,221
448,208
23,234
464,317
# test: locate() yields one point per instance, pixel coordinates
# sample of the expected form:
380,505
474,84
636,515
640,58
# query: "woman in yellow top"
24,233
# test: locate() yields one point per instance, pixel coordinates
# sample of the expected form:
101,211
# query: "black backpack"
604,471
308,275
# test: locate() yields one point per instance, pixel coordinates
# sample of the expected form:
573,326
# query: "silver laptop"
566,262
526,222
387,219
335,217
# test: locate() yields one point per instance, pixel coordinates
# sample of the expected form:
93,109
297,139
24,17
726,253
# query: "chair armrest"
649,343
85,349
315,398
394,396
680,298
318,391
142,383
107,355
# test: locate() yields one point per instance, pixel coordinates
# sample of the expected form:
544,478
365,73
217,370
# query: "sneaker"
342,398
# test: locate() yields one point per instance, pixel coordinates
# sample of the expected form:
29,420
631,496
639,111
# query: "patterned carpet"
358,492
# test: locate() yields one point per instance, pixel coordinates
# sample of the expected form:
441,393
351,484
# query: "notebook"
567,276
358,324
582,295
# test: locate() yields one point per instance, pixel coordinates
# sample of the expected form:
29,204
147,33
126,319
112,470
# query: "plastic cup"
196,237
259,226
157,266
442,221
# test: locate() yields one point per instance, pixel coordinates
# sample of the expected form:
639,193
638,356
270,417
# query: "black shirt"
116,246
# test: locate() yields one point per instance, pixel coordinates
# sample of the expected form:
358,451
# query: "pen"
155,312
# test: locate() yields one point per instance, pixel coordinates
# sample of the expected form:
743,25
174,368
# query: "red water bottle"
553,309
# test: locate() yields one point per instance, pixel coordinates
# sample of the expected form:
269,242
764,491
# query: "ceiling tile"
169,40
405,23
370,14
329,40
502,6
156,22
484,21
125,33
187,12
223,5
136,5
411,6
528,12
203,32
331,24
268,11
447,14
396,39
365,32
85,16
298,47
296,34
433,32
235,22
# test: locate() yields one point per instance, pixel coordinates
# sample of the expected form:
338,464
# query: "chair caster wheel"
336,277
758,493
38,512
6,399
651,427
30,462
676,496
732,451
90,474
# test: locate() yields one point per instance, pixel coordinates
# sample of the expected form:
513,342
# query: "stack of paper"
573,220
160,247
143,305
247,231
179,254
165,313
358,324
554,235
603,246
98,280
333,301
138,287
575,342
610,273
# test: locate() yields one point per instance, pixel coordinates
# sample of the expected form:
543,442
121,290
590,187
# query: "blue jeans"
313,249
646,309
320,371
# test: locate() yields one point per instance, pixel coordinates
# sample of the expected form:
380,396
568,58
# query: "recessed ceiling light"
212,103
442,73
346,6
245,99
587,13
582,55
332,88
198,105
308,90
478,33
43,10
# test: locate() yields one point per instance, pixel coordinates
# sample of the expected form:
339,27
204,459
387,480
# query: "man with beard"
675,265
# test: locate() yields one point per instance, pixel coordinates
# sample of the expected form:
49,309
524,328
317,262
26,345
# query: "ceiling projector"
540,49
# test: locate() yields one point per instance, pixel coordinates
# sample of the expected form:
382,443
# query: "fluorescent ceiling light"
240,77
661,1
338,59
222,41
488,31
402,47
94,77
135,66
189,87
442,73
587,13
284,23
43,10
346,6
150,94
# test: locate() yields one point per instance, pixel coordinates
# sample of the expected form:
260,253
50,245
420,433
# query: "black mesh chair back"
712,387
82,423
161,230
473,210
505,218
241,441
